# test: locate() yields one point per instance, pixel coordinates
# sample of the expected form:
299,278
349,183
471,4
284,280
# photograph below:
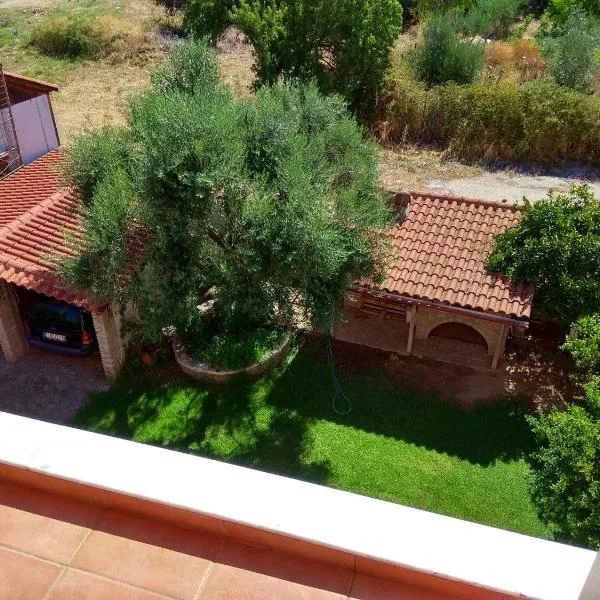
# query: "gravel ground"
49,387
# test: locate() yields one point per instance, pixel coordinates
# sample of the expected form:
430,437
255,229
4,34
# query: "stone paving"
48,386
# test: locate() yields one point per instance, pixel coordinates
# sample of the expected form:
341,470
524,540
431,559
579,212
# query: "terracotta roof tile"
35,214
440,251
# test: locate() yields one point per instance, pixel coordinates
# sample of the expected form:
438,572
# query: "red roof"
29,83
440,253
35,215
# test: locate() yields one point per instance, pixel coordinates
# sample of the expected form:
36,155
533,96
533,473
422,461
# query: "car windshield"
49,313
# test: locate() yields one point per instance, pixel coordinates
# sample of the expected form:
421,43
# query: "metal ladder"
10,154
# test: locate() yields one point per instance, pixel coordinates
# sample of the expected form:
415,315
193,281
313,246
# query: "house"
35,215
437,299
27,126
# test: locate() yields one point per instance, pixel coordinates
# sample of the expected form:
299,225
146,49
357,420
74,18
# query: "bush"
566,474
65,37
426,8
541,122
559,11
492,18
444,57
107,37
585,346
571,55
234,348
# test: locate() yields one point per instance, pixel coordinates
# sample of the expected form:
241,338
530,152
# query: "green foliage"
233,348
559,11
343,44
584,347
274,201
492,18
425,8
445,57
208,18
65,36
556,247
572,53
566,474
538,123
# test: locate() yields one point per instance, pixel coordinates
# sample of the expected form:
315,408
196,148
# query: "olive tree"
272,201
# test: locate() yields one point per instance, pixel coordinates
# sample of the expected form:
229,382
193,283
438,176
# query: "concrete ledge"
389,540
205,372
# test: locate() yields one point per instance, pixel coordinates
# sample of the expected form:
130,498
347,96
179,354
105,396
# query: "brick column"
109,342
12,335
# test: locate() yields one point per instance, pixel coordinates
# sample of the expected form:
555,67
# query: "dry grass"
96,96
236,62
409,168
521,59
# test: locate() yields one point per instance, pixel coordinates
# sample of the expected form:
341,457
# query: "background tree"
343,44
556,247
273,201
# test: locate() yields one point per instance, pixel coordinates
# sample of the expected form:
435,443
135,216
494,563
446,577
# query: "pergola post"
109,342
412,323
499,349
12,334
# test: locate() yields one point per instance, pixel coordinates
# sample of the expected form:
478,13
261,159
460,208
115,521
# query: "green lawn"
397,444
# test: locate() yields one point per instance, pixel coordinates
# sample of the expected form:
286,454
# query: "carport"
35,217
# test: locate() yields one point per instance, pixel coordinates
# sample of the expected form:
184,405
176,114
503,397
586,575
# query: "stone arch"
459,331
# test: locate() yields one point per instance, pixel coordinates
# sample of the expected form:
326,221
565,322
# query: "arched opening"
460,332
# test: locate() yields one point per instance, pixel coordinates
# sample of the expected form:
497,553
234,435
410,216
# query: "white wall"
35,128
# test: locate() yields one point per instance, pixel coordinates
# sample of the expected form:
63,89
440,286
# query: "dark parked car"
58,326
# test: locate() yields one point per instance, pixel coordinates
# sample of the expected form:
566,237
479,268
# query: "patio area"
390,334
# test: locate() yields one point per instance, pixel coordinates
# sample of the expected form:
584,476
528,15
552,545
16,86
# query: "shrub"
555,246
106,37
585,346
444,57
426,8
541,122
566,475
65,37
571,55
492,18
559,11
173,6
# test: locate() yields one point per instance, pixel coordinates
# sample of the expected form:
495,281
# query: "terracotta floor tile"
24,577
367,587
286,566
47,525
76,585
231,583
149,554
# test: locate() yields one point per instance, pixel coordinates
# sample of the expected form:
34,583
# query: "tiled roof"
440,251
35,215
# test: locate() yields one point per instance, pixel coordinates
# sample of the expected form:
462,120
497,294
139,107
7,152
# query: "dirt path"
428,170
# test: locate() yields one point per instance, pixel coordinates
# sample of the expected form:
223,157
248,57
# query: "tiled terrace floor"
57,548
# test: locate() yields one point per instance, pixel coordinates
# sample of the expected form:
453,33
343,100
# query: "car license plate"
55,337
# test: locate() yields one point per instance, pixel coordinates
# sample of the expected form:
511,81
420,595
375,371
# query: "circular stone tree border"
205,372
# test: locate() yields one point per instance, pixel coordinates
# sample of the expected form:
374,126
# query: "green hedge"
540,122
